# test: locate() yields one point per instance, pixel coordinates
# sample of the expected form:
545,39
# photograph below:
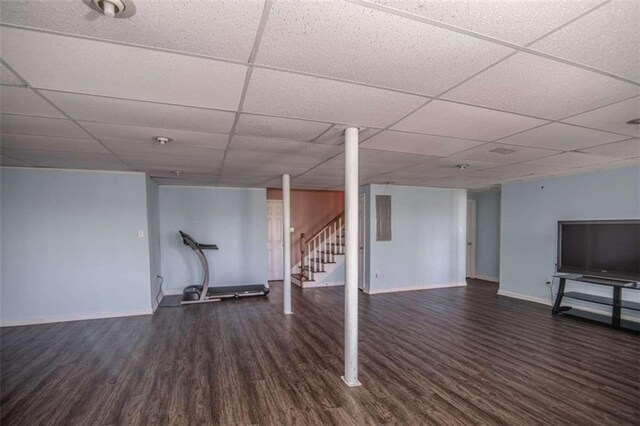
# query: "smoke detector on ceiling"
110,8
162,140
178,172
462,166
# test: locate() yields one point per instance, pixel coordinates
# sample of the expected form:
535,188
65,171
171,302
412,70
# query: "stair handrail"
323,245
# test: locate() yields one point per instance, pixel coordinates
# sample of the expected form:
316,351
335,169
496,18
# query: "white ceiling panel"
632,162
315,150
516,170
541,87
52,143
40,126
171,164
12,162
223,28
235,167
625,149
259,158
350,42
114,132
281,128
67,159
500,153
561,137
516,21
7,77
464,121
418,144
326,100
148,114
571,159
56,62
335,135
21,100
612,117
607,39
186,182
211,156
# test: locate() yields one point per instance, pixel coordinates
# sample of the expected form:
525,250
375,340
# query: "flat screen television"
600,248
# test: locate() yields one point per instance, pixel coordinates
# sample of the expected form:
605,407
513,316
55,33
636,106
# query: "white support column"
351,264
286,243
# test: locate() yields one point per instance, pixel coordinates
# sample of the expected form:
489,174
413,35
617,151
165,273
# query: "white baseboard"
314,284
487,278
547,302
78,317
415,287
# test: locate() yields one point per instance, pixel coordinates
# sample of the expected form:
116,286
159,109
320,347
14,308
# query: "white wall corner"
487,278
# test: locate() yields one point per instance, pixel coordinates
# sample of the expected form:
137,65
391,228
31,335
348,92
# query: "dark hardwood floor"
451,356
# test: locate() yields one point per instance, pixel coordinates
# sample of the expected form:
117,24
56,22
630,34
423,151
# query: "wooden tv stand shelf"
616,302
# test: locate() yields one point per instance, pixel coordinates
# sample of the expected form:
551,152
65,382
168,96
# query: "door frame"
470,239
362,217
279,203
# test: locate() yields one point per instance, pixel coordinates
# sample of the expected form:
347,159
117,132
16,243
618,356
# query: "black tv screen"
609,249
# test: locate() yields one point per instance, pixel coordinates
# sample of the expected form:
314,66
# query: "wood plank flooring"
454,356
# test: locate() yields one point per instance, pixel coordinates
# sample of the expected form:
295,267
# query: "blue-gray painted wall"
235,219
529,217
153,220
487,234
428,238
70,245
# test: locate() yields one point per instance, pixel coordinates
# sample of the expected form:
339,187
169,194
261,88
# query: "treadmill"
203,293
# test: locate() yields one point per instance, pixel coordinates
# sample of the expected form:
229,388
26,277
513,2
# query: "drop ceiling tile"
335,135
499,153
223,28
213,156
561,137
185,182
445,167
7,77
632,162
517,170
625,149
282,128
612,117
351,42
315,98
148,114
8,140
315,150
607,39
418,144
145,135
541,87
67,159
571,159
57,62
517,22
260,158
12,162
21,100
40,126
170,164
465,121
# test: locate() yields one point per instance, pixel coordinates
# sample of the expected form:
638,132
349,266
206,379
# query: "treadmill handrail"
197,249
189,241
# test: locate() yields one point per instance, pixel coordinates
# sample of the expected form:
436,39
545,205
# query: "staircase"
320,255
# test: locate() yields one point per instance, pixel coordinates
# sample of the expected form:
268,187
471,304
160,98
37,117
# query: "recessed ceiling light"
178,172
635,122
503,151
110,8
162,140
462,166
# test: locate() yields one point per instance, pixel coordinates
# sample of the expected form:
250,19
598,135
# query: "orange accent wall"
310,211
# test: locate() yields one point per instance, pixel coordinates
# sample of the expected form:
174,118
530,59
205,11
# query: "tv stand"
616,302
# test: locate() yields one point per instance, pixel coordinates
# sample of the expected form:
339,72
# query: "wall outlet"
140,233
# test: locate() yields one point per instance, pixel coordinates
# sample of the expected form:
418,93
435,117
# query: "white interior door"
274,239
471,238
361,240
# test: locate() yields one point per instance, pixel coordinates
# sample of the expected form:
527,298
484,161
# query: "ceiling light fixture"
462,166
110,8
162,140
634,122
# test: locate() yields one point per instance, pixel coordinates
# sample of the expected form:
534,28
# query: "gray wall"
428,238
70,245
234,219
153,219
531,210
487,234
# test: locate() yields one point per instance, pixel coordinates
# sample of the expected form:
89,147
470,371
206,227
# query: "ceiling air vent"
503,151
